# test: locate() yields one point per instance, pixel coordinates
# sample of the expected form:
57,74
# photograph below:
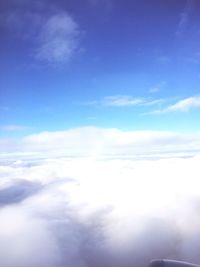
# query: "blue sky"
132,65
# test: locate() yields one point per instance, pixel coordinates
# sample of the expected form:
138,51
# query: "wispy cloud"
182,22
157,87
13,128
185,104
53,37
182,105
58,38
184,17
121,101
124,101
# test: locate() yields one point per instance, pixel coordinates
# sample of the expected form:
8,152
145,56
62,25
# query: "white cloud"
58,38
184,104
97,142
99,212
33,237
99,197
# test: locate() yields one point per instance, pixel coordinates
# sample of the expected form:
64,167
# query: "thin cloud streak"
183,105
184,17
13,128
120,101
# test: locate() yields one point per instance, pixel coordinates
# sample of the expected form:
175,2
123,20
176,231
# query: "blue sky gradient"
132,65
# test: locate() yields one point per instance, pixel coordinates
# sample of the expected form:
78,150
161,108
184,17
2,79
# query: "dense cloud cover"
87,211
95,141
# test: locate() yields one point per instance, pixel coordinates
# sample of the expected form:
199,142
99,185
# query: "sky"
130,65
99,132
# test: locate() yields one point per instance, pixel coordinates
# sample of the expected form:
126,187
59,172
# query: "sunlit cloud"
96,196
97,142
107,212
185,104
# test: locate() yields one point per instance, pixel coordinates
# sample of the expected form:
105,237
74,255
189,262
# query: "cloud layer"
99,197
110,142
98,212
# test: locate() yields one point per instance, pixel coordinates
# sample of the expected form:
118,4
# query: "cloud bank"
98,212
111,142
91,209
